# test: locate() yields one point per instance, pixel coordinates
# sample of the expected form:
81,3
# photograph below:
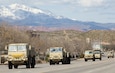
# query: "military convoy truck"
20,54
92,55
110,54
97,54
58,54
89,55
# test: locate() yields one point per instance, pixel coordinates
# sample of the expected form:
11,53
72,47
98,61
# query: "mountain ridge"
27,16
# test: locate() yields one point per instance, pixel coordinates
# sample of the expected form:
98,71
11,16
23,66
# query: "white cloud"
57,1
84,3
89,3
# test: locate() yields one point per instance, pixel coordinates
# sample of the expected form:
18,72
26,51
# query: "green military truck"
58,54
20,54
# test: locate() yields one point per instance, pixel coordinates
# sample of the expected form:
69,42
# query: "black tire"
100,59
28,64
16,66
32,66
9,65
57,63
64,61
94,59
33,62
51,62
68,60
85,60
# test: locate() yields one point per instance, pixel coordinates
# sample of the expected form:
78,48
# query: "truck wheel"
85,60
51,62
68,60
16,66
32,65
33,62
100,58
9,65
57,62
94,59
28,64
64,61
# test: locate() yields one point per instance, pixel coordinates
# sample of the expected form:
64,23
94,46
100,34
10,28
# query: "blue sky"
84,10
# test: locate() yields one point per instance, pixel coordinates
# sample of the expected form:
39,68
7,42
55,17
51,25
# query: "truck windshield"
55,49
97,52
12,48
17,48
22,48
88,52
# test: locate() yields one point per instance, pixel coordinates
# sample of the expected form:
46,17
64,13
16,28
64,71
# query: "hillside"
72,40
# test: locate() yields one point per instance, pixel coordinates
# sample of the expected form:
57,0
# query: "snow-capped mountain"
11,11
24,15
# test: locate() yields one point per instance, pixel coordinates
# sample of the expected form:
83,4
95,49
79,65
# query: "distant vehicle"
20,54
97,54
110,54
4,59
58,54
102,53
89,55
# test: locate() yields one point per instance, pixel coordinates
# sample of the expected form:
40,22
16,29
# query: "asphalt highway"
77,66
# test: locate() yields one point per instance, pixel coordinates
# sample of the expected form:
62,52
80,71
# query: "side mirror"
29,47
6,47
68,55
64,50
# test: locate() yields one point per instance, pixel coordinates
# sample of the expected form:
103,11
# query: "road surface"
77,66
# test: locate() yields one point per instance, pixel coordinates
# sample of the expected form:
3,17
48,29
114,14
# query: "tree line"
73,41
